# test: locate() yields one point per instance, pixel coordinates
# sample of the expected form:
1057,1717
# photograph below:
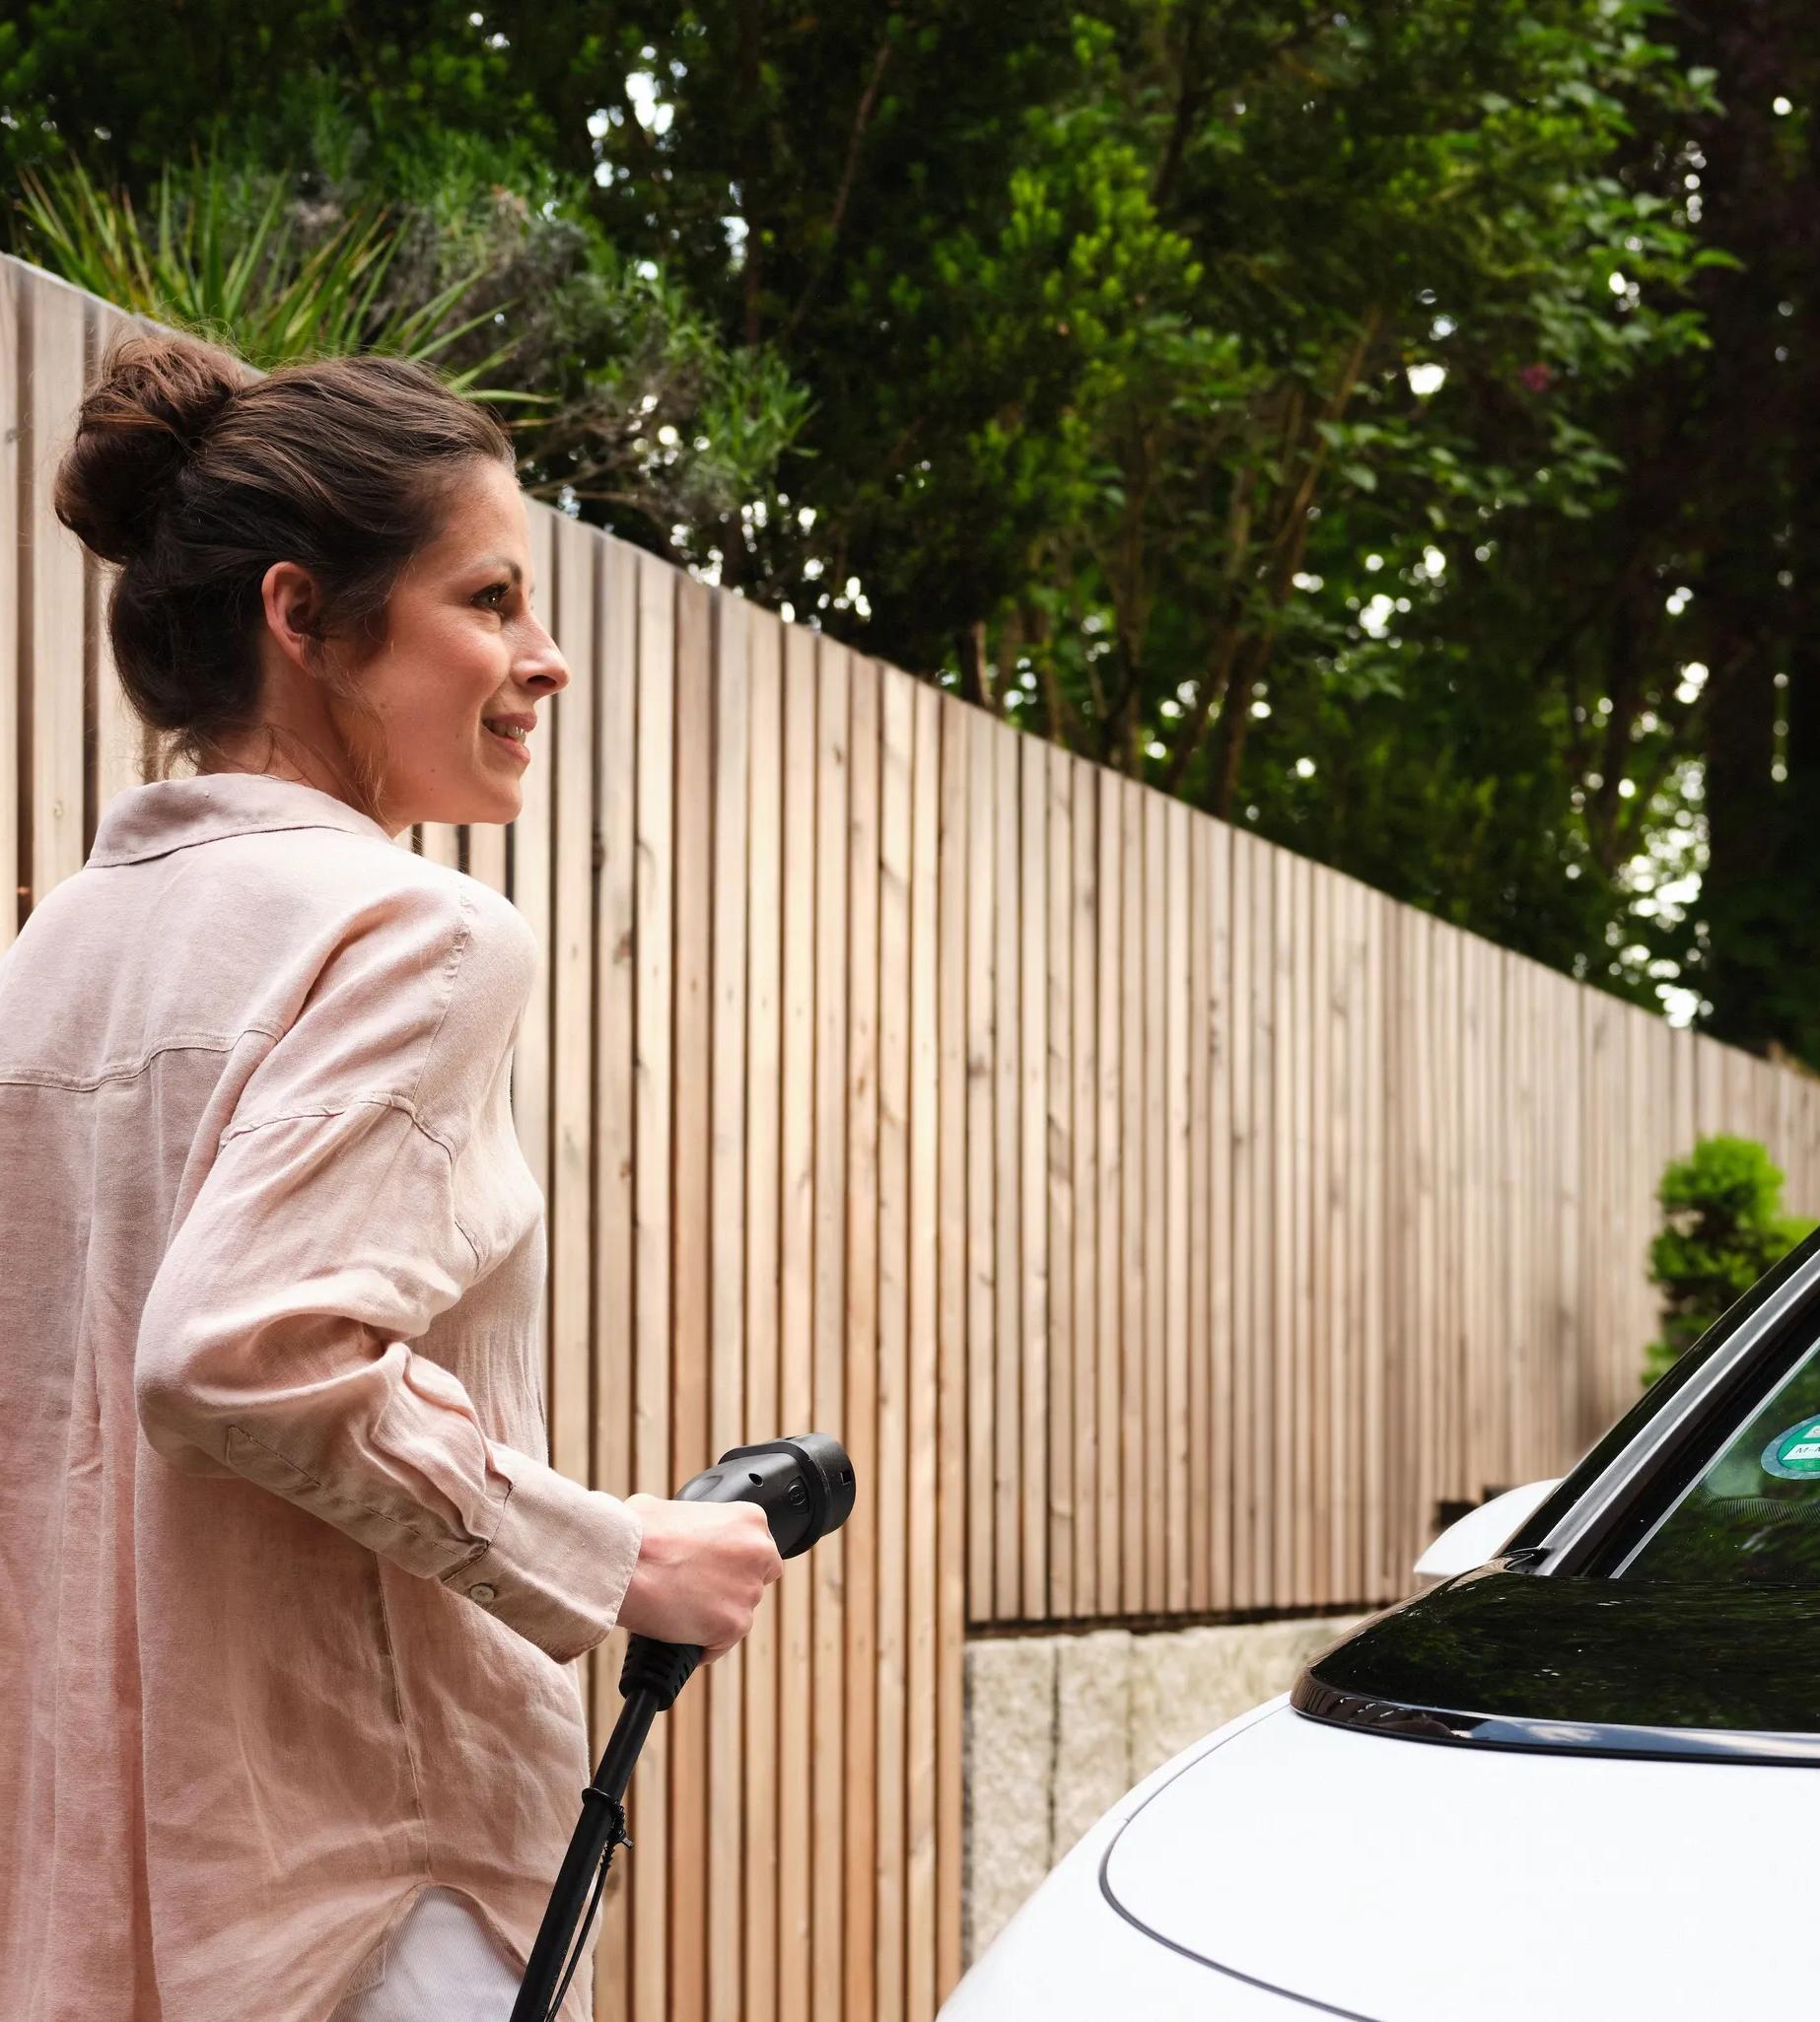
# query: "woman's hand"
702,1569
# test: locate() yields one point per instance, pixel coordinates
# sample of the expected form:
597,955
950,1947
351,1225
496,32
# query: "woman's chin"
495,801
504,803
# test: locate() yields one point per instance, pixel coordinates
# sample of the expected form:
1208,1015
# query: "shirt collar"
162,815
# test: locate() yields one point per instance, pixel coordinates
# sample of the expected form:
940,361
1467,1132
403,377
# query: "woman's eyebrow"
501,562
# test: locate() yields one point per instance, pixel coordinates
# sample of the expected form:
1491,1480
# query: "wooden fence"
1166,1224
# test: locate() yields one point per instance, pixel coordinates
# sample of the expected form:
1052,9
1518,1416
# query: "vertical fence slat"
1151,811
1008,1284
1478,1162
1241,1171
532,892
1580,1423
1318,1404
1108,1278
1414,1421
803,843
569,726
1172,824
1288,978
1198,1131
728,1424
972,735
956,1240
654,902
1381,1529
616,1373
691,1235
864,1339
1032,1219
898,1513
1217,1229
1450,1342
1362,1184
1334,1236
927,971
1133,1515
1058,1188
826,1566
765,1852
1088,1348
565,745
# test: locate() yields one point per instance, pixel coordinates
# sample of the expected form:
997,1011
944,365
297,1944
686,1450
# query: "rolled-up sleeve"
320,1244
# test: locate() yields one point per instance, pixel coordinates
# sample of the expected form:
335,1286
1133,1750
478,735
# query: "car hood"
1405,1880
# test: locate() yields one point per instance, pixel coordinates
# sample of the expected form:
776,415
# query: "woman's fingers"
702,1569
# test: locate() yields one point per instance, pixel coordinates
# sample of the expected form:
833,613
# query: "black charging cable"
805,1487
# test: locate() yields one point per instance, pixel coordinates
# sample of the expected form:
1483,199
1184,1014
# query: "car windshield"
1753,1511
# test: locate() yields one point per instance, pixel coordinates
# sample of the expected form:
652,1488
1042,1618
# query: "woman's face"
462,647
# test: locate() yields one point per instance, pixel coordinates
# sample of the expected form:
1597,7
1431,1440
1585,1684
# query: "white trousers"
441,1965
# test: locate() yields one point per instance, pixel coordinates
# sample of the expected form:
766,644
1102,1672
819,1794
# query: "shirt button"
482,1592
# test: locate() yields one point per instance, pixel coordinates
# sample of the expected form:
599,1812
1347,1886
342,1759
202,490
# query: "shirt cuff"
560,1560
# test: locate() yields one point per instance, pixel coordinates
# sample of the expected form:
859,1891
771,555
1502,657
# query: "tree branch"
1187,106
862,117
1289,544
1187,740
975,676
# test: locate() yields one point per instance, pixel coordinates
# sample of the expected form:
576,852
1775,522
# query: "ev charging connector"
804,1485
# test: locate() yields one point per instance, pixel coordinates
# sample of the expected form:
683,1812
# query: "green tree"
1146,470
1389,427
1725,1227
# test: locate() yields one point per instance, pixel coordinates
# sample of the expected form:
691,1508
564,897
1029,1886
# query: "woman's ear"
293,610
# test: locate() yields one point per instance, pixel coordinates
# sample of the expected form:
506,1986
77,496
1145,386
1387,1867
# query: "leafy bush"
219,252
626,405
1724,1230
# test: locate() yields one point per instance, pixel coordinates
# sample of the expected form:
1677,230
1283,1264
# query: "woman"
294,1726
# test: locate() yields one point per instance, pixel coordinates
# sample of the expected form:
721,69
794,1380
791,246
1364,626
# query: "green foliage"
144,83
1725,1228
477,255
1354,420
221,255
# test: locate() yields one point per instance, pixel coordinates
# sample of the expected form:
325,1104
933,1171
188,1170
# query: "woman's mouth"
516,740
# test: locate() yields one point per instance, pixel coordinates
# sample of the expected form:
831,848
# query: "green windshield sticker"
1795,1455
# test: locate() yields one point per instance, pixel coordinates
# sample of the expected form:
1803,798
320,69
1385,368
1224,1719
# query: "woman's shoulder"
485,930
410,979
355,911
370,885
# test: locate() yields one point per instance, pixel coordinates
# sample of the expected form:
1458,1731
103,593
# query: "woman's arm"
325,1238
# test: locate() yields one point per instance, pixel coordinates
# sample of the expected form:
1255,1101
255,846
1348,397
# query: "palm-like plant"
202,263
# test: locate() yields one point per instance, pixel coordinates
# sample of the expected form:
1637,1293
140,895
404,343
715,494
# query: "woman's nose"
543,661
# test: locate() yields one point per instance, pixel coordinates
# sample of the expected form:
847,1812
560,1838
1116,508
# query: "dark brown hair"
196,478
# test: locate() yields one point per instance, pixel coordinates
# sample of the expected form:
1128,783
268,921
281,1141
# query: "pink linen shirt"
292,1593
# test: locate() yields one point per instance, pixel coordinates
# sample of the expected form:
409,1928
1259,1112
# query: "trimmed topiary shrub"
1725,1228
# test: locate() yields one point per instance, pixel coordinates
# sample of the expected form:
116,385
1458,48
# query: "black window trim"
1572,1529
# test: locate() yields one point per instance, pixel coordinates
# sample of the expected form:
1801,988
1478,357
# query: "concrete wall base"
1059,1727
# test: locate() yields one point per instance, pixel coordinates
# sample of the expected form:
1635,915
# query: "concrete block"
1177,1678
1009,1770
1092,1742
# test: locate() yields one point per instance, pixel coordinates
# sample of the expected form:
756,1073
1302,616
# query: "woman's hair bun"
137,428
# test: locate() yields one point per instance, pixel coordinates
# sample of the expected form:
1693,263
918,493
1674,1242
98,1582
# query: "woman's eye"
493,591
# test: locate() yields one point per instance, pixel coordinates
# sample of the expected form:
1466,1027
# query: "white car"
1578,1780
